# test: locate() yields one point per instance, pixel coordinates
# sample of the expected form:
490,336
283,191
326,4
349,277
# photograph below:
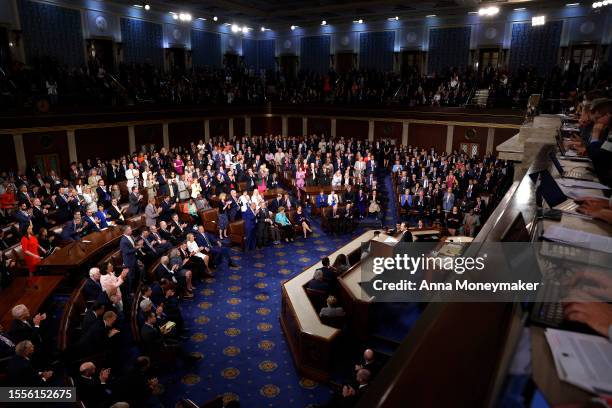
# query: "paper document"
390,240
577,238
582,184
583,360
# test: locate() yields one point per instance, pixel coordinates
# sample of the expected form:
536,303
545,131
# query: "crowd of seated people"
452,191
94,85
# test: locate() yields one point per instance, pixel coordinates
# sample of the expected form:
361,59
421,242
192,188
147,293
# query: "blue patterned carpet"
234,322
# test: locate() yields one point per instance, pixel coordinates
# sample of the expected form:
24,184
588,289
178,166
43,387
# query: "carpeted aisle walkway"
234,322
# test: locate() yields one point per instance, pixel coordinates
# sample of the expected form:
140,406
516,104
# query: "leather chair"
237,233
210,219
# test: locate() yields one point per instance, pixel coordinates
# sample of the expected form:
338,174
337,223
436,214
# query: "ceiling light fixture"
323,22
538,21
147,7
175,16
360,21
488,11
293,27
472,12
245,30
138,5
184,17
520,9
572,4
599,4
263,29
215,18
201,18
430,15
235,28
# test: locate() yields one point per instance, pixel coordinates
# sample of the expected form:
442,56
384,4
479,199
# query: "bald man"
369,362
93,390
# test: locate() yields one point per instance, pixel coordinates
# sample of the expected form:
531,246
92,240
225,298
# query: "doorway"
176,58
583,54
231,60
100,53
345,62
471,149
288,65
411,62
488,58
48,162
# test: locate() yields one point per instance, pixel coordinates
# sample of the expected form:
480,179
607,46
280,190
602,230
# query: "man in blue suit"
250,226
72,229
213,246
321,200
129,248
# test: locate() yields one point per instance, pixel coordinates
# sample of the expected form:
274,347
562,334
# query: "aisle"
234,321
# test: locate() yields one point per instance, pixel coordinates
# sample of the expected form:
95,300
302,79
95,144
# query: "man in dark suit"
406,234
104,197
20,372
92,315
23,216
155,338
317,282
135,386
98,338
115,212
39,216
25,328
129,248
134,201
212,246
250,226
277,202
166,234
178,228
93,224
163,189
92,287
73,229
369,363
93,391
167,209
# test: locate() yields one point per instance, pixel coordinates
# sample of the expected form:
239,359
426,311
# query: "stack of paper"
583,360
577,238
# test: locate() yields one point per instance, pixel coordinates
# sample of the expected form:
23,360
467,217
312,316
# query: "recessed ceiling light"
293,27
215,18
520,9
572,4
201,18
430,15
138,5
263,28
175,16
235,28
488,11
472,12
360,21
147,7
323,22
245,29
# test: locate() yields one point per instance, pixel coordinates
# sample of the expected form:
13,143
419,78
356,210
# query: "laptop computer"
573,173
554,196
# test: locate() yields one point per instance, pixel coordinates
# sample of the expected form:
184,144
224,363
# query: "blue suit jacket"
128,252
321,200
250,221
69,233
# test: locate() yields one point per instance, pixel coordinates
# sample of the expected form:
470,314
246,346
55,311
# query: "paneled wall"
426,136
314,53
294,126
535,46
376,50
51,31
357,129
448,47
261,125
9,160
388,130
183,133
149,134
47,147
258,54
105,143
459,136
205,49
239,127
219,127
319,125
142,42
501,135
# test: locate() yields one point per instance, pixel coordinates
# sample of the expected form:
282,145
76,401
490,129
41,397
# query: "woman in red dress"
29,246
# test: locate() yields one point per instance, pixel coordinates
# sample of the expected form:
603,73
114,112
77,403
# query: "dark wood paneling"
47,143
219,127
260,125
294,126
9,159
388,130
239,126
357,129
183,133
319,125
501,135
480,138
105,143
426,136
149,134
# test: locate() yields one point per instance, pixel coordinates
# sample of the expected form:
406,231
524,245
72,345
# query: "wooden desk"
77,253
33,297
310,341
